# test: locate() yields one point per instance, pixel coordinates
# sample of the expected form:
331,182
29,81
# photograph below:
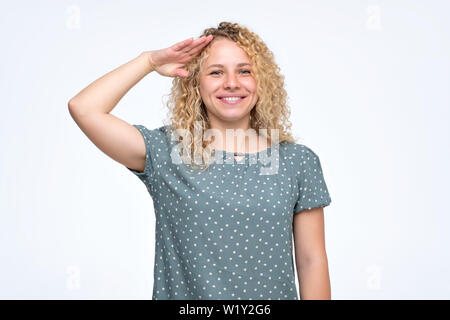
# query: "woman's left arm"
310,255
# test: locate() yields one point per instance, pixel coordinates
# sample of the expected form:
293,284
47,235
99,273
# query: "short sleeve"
313,191
150,141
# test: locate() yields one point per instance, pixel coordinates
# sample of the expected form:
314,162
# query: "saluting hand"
169,61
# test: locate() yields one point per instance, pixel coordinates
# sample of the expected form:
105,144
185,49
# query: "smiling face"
227,85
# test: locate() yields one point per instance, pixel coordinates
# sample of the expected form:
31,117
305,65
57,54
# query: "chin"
233,117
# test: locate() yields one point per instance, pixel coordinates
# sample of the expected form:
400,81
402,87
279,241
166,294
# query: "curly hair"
188,112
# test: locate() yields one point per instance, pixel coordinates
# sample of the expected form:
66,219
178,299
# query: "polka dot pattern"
226,233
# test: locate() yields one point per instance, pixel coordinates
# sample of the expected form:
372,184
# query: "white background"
368,85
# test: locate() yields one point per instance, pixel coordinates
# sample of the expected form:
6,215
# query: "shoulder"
158,140
158,130
299,151
158,134
304,159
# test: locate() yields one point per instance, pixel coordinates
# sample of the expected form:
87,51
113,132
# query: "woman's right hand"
169,61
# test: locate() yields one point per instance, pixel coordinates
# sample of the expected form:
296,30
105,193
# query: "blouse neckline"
244,153
245,156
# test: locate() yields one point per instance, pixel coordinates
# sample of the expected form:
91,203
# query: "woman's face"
227,72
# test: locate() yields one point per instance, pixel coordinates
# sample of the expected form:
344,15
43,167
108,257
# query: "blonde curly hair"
188,112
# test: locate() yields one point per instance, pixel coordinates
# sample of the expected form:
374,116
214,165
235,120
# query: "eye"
216,72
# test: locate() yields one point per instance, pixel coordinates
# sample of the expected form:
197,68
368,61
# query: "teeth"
231,98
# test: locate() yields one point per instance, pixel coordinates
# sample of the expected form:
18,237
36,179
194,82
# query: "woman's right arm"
103,94
91,107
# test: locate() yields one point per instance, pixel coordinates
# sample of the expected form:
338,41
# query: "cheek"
250,84
204,91
208,86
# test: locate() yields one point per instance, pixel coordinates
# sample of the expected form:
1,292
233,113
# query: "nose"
231,81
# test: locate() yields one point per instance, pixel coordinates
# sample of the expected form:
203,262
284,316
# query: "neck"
241,138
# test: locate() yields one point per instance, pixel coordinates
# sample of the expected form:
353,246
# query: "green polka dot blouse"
226,233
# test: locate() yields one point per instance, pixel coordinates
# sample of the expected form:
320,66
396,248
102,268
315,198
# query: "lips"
231,97
232,101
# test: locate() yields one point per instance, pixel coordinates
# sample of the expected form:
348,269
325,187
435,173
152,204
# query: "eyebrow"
221,65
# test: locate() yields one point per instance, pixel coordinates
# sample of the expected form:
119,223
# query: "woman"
223,228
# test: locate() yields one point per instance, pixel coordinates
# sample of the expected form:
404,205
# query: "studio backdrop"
368,85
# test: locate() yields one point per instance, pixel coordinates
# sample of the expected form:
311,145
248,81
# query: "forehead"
226,51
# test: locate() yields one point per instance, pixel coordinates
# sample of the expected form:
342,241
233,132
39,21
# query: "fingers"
188,44
192,45
203,41
199,48
197,45
180,45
